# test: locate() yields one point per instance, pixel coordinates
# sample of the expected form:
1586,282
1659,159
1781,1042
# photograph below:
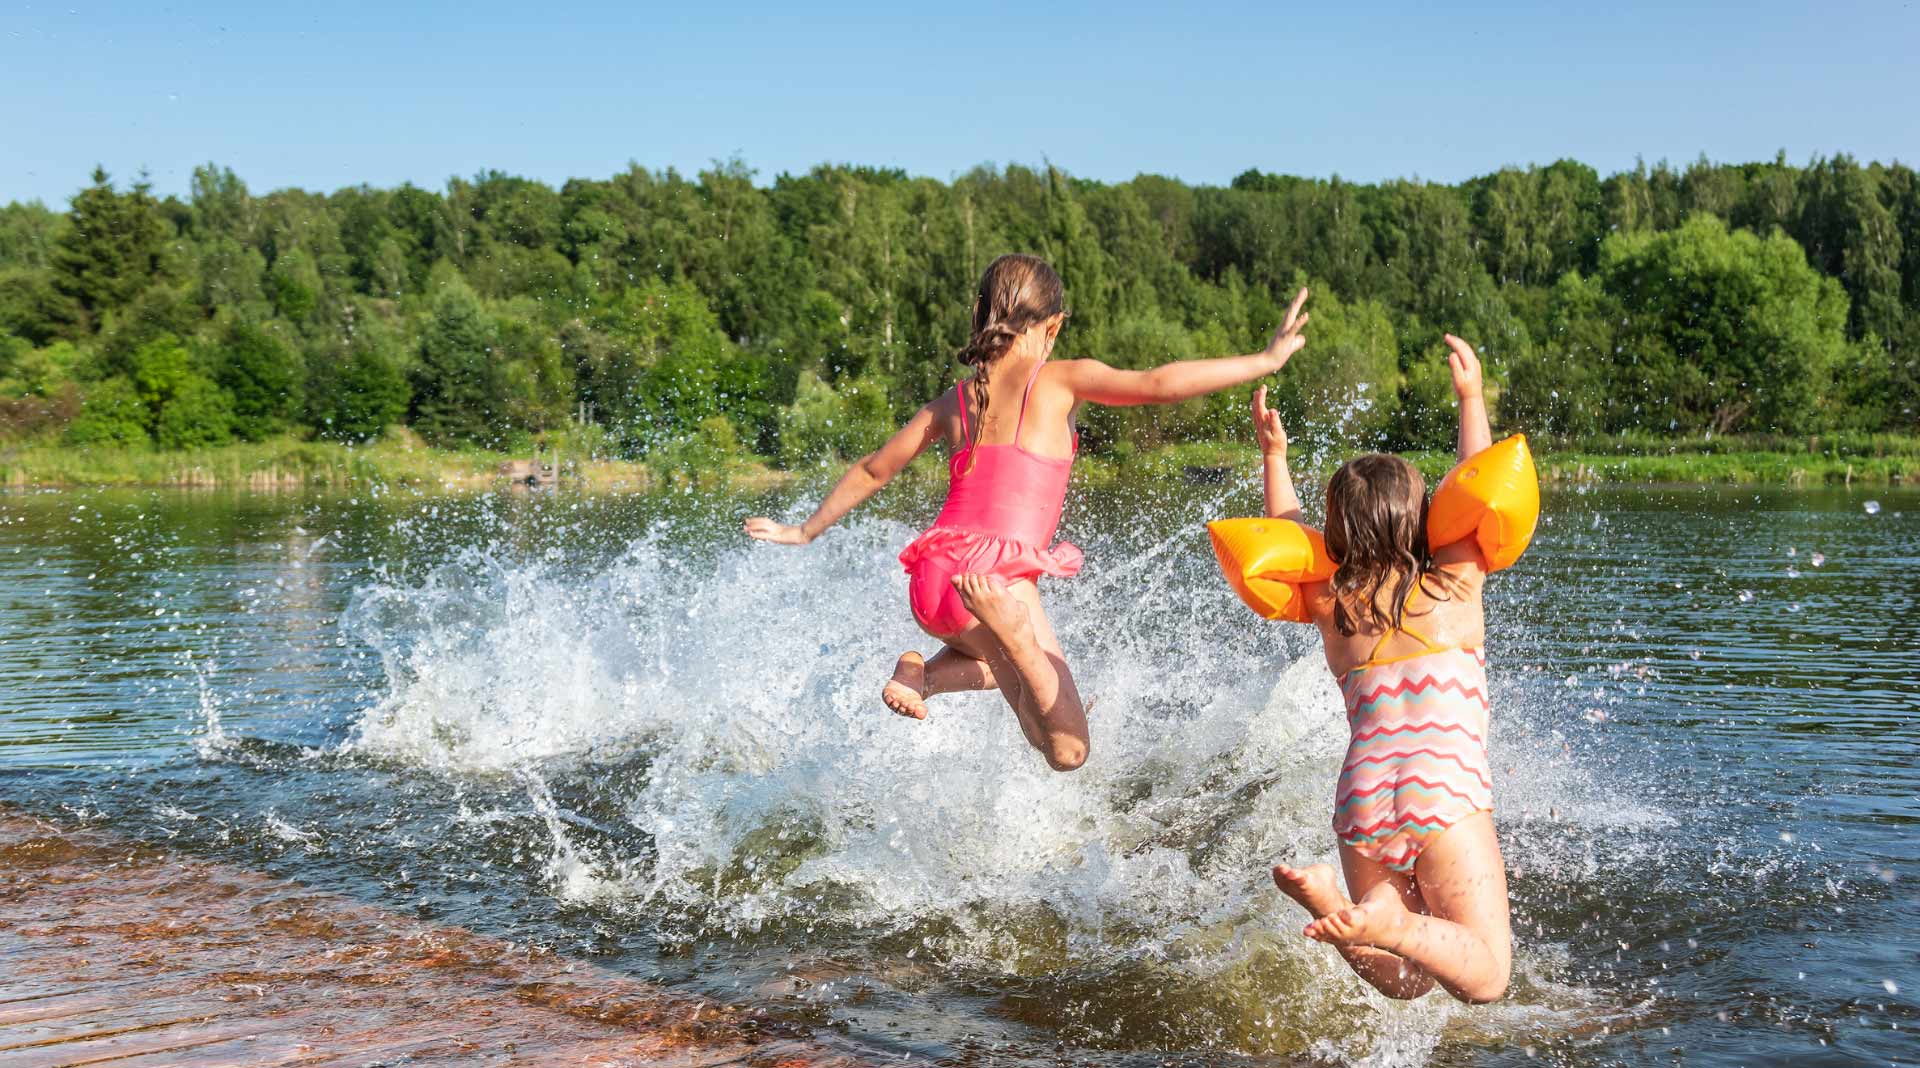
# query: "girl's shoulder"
1073,368
1459,571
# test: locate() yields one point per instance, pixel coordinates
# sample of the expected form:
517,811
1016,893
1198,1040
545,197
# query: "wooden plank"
124,956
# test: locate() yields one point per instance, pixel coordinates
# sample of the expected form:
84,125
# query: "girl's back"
1040,418
1443,612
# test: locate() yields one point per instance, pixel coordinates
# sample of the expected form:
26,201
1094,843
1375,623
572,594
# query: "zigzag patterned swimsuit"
1417,756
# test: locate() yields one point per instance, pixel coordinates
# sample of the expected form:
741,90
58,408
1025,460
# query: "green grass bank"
403,460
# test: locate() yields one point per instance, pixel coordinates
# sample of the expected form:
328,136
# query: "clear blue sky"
326,95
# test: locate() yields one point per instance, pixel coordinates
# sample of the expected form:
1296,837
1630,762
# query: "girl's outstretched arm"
1475,434
862,480
1462,559
1282,501
1094,381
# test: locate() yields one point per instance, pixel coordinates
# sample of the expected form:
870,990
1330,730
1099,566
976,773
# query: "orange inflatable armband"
1267,561
1492,497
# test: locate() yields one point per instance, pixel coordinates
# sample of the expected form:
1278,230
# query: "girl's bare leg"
914,680
1317,890
1466,943
1027,661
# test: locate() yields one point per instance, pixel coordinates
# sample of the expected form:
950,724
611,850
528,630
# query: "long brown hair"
1377,533
1016,292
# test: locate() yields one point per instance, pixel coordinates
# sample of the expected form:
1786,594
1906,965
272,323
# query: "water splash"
725,711
212,741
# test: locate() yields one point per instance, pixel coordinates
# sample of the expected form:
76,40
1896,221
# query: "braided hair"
1016,292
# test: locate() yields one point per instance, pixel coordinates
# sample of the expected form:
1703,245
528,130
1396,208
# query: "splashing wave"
728,705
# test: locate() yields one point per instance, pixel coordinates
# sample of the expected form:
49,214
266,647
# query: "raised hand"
1266,426
763,529
1287,340
1465,365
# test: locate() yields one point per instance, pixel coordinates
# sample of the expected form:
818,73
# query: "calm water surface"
608,724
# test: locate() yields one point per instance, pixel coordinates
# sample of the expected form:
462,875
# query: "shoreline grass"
287,463
1879,460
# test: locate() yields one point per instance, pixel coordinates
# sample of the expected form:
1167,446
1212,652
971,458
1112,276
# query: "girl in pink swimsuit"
972,575
1402,626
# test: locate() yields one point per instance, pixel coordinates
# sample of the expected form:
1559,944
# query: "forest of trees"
656,315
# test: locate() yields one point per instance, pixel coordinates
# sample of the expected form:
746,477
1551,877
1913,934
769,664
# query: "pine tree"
115,247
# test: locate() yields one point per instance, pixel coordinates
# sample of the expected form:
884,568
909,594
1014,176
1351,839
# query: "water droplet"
1745,596
1794,607
1793,572
1819,559
1872,507
1695,654
1890,986
1791,551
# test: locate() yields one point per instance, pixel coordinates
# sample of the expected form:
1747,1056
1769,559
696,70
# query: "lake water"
611,725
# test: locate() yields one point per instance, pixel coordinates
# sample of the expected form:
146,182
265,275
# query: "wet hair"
1377,534
1016,292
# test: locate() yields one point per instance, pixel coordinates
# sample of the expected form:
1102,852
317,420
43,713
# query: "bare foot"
1005,617
1314,889
1377,921
906,692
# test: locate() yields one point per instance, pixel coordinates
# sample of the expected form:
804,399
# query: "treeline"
695,319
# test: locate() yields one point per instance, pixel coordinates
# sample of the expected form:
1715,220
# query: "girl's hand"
1287,340
763,529
1466,369
1266,425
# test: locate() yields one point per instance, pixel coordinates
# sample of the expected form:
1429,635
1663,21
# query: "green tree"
1352,394
159,368
38,372
32,307
452,382
232,276
531,379
115,245
28,235
265,378
825,423
658,302
1851,234
294,280
369,394
112,414
1562,385
197,413
654,364
222,206
1722,330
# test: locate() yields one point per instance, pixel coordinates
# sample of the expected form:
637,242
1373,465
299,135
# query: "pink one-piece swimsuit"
1003,507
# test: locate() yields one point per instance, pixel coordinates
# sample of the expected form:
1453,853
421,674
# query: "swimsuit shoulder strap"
1426,644
1022,421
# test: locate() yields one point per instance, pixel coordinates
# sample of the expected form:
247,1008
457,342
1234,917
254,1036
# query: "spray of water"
726,708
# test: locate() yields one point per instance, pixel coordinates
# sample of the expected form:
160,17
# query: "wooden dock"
117,955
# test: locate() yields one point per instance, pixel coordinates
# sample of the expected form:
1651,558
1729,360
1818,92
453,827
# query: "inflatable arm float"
1492,497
